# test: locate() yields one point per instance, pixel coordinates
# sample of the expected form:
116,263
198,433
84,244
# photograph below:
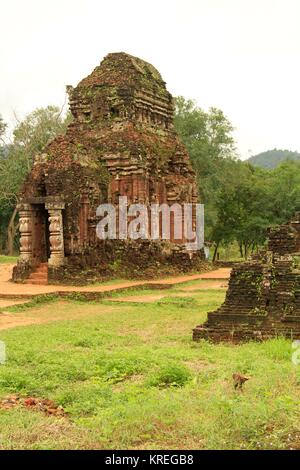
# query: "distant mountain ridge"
272,158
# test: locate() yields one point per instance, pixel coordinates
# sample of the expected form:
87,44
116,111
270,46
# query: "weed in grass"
179,302
84,343
171,375
86,399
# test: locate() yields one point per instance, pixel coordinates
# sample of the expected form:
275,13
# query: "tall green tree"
243,213
254,200
209,140
3,212
284,183
32,134
241,201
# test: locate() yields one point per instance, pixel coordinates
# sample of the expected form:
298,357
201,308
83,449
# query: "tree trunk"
215,252
11,233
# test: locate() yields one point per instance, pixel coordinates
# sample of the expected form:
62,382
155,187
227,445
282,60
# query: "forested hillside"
273,158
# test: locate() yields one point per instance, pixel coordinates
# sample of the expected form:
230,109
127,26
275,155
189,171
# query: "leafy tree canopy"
241,200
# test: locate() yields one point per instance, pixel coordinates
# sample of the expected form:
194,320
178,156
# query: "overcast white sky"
239,55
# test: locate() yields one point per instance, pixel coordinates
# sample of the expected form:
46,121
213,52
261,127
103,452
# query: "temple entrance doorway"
40,234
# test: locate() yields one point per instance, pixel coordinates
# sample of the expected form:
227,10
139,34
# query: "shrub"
118,370
171,375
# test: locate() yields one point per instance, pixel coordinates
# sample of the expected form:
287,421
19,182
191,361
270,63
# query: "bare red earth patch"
46,406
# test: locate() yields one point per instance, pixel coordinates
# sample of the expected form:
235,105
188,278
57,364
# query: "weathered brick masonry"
121,143
263,298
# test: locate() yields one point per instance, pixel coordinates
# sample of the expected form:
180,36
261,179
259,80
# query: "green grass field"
8,259
130,377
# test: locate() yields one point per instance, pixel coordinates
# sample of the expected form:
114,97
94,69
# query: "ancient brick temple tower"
121,142
263,298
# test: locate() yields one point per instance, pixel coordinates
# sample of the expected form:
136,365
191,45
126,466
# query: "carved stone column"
56,233
25,228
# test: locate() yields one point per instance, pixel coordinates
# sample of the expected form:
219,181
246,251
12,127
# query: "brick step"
36,282
39,276
42,265
41,270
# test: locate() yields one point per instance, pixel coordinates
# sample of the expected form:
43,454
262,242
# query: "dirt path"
207,284
147,298
9,302
183,292
211,280
221,273
10,289
39,316
12,320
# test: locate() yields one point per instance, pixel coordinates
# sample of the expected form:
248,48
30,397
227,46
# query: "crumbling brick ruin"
121,142
263,298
